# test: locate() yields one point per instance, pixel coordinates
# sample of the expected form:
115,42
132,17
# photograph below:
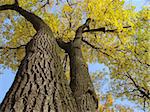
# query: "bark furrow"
40,84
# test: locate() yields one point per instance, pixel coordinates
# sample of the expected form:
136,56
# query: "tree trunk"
80,83
40,84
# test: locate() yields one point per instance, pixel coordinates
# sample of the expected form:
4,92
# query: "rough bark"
80,82
40,84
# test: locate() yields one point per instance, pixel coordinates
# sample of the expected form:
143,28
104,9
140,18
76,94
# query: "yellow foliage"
52,21
146,14
6,1
101,108
67,9
106,107
109,100
20,54
125,49
109,12
27,3
67,75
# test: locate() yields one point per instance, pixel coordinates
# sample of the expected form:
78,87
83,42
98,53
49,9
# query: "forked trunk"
40,84
80,81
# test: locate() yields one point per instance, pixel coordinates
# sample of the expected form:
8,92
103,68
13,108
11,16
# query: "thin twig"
94,47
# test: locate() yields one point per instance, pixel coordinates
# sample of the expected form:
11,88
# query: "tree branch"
16,2
36,21
13,47
144,93
71,4
63,44
97,48
81,28
102,29
136,56
47,2
68,3
86,42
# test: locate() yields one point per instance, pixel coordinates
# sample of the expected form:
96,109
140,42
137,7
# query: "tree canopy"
118,36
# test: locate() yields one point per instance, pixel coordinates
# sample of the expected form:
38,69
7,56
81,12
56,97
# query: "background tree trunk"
40,84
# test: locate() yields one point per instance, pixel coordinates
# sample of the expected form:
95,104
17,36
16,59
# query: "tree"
113,30
29,78
40,84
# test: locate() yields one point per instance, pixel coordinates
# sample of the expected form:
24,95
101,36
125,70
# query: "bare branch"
102,29
13,47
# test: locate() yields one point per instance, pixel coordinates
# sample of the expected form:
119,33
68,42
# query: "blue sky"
138,3
6,79
7,76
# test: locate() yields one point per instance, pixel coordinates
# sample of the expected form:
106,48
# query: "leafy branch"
142,90
36,21
94,47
